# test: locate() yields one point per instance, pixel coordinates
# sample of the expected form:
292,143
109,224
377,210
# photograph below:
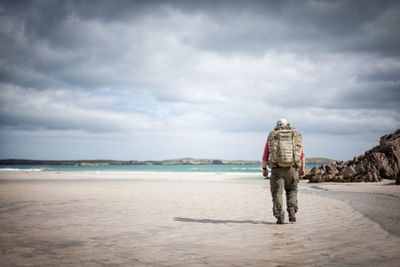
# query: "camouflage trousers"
284,178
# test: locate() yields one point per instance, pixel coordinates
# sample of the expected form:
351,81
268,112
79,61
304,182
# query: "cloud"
191,72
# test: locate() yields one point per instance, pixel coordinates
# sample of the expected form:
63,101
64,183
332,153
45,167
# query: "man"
284,154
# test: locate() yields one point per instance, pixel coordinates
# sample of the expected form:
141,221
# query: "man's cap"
282,122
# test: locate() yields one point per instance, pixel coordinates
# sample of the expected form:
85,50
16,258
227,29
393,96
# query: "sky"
141,80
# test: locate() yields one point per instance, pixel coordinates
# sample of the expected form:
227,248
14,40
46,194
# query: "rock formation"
380,162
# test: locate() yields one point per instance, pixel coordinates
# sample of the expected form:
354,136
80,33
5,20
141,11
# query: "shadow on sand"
179,219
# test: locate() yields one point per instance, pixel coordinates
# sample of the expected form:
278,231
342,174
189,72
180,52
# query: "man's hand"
301,172
265,173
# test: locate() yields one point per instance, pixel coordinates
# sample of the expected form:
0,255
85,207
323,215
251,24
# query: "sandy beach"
191,219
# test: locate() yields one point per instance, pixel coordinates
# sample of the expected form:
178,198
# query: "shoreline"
121,175
111,174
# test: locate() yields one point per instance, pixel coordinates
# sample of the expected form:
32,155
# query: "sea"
248,168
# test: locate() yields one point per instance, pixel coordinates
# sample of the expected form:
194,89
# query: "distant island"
182,161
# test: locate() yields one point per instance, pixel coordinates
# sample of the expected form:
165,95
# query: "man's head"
281,122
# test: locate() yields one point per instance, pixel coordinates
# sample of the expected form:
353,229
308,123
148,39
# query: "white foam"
20,170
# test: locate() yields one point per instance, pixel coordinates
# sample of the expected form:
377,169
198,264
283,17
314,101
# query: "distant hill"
183,161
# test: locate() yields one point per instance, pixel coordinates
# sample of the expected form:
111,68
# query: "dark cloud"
304,27
390,75
376,96
369,26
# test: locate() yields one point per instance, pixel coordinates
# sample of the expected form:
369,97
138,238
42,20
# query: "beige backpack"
285,146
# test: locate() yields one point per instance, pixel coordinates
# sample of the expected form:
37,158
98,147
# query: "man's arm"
265,159
303,164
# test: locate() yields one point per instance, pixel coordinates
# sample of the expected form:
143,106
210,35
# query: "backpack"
285,147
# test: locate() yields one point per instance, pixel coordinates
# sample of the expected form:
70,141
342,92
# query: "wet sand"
186,219
379,202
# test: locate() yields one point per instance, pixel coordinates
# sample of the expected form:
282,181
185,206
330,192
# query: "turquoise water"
140,168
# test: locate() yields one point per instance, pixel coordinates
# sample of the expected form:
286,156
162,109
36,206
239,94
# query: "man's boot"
280,220
292,215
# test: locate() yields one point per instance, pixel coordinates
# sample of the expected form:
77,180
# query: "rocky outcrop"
380,162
